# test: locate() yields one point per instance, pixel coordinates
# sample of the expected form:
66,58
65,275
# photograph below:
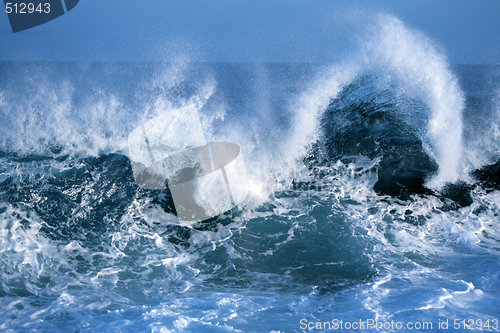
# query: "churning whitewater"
373,194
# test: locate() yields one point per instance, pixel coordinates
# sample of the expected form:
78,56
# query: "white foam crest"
47,116
400,53
495,126
43,113
273,152
166,80
423,67
310,105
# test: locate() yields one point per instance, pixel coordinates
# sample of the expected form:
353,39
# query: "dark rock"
372,125
489,175
369,121
403,171
459,193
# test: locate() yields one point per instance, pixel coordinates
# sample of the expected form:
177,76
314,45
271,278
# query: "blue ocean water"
84,249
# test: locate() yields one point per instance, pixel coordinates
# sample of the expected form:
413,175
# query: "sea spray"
418,70
335,250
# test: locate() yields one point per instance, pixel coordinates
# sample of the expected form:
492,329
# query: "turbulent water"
84,249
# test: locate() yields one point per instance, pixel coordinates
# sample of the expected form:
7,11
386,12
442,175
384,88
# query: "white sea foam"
399,54
273,264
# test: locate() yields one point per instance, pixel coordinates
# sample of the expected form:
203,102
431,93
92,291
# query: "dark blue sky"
248,30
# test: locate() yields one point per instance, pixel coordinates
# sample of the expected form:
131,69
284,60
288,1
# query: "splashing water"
84,249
